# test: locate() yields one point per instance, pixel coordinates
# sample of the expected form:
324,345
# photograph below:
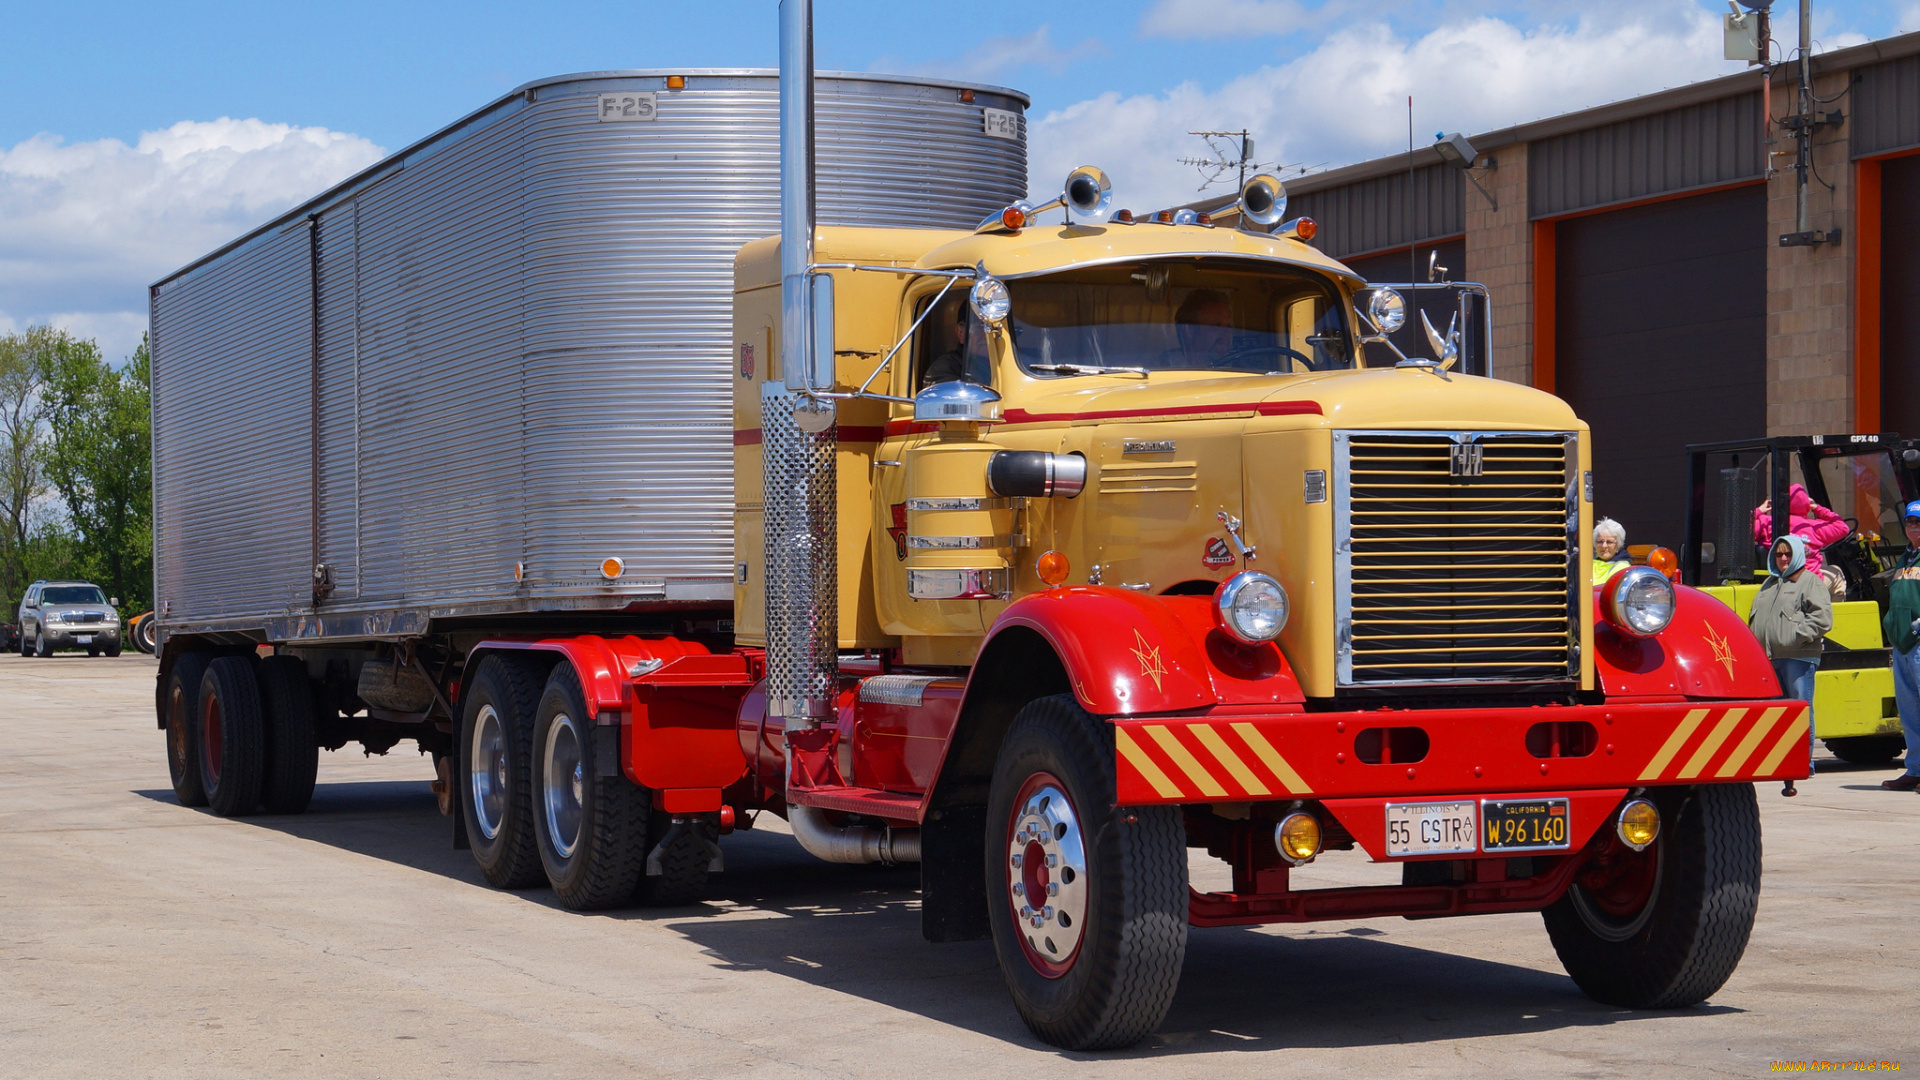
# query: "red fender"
1705,652
1129,654
676,717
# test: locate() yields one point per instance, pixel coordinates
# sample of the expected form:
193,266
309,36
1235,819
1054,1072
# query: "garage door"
1661,342
1900,296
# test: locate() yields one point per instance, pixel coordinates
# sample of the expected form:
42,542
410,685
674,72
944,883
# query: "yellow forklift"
1866,479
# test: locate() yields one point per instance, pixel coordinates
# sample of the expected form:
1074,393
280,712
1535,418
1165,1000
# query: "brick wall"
1500,256
1810,289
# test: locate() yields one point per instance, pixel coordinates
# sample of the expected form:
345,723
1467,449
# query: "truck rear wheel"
1089,900
230,736
496,735
292,754
180,707
1665,928
591,828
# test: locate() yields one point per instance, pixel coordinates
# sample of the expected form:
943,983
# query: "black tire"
496,735
591,829
231,736
113,649
40,647
1113,984
93,650
291,754
179,708
684,862
1867,749
142,633
1683,944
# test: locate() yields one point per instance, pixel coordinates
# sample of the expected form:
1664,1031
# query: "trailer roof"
511,102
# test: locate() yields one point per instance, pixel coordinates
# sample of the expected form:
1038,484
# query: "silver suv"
68,615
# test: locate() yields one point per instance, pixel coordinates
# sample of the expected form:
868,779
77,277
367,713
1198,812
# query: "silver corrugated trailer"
459,381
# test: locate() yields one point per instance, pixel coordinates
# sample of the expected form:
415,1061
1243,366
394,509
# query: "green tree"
23,485
98,456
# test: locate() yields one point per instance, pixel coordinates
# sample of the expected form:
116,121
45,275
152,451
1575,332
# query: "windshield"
72,594
1191,315
1865,490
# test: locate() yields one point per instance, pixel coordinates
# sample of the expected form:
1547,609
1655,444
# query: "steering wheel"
1227,361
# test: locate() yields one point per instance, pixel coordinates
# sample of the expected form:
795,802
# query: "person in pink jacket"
1807,519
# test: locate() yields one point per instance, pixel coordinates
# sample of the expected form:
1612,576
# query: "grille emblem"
1463,459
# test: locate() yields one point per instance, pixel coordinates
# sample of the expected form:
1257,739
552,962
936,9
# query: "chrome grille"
1443,576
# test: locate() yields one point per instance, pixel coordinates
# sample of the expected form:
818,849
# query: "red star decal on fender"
1149,657
899,530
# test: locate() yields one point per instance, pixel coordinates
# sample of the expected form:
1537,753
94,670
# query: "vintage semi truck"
1035,549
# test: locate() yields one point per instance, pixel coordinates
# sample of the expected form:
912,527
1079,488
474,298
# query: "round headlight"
1251,606
1639,601
990,301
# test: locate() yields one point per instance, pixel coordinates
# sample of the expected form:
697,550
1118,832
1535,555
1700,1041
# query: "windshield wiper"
1089,369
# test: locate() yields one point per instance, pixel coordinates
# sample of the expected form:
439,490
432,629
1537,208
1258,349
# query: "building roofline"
1890,48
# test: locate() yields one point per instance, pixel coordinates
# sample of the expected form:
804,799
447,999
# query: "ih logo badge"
1463,459
1218,555
746,361
898,530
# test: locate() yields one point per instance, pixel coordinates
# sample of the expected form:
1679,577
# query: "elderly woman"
1609,550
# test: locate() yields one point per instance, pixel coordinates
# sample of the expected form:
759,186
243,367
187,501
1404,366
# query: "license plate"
1436,828
84,639
1526,825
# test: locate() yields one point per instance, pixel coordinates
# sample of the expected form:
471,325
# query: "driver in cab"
1204,325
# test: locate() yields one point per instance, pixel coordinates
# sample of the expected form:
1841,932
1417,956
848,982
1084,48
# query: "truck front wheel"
1664,928
496,735
591,828
1089,900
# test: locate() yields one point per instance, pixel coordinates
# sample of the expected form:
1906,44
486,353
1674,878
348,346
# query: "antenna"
1227,157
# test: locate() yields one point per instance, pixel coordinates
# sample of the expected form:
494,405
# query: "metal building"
1633,255
497,359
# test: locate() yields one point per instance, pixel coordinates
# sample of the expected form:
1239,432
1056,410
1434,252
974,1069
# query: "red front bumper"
1230,756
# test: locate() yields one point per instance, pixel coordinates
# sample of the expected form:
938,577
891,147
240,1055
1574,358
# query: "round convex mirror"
1387,310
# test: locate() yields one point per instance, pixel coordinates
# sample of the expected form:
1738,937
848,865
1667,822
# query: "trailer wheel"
292,754
230,736
179,710
1089,900
1867,749
496,735
591,828
1665,928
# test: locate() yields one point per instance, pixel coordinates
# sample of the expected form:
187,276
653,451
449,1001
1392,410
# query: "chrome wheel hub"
1047,875
487,772
563,787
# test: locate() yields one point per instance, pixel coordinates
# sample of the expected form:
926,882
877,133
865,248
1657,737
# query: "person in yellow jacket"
1609,549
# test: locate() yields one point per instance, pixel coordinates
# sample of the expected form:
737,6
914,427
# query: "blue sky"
137,136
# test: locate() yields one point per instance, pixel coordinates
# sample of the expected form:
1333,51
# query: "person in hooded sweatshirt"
1807,519
1792,613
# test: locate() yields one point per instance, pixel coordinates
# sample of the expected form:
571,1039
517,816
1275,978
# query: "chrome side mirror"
113,601
957,401
1386,310
990,301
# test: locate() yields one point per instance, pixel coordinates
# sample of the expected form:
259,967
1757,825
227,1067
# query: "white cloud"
995,57
1346,99
86,227
1189,19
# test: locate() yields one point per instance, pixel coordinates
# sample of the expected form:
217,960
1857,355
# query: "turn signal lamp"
611,569
1665,561
1053,568
1124,217
676,82
1639,824
1013,218
1306,228
1298,837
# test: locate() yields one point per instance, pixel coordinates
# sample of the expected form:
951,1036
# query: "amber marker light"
1013,218
676,82
1124,217
611,569
1307,229
1053,568
1665,561
1639,824
1298,837
519,571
